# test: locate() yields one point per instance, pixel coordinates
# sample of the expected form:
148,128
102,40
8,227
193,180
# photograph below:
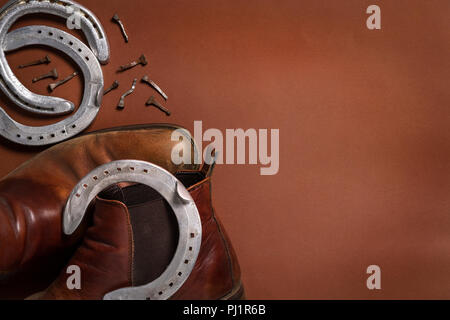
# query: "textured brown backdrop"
364,125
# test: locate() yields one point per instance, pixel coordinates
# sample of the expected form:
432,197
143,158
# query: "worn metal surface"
12,87
53,86
114,86
121,103
189,223
52,74
90,25
117,20
93,87
152,102
152,84
44,60
141,60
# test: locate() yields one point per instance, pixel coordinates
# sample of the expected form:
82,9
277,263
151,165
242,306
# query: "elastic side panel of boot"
154,225
189,178
155,232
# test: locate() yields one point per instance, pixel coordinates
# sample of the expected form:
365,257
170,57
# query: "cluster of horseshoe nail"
145,79
52,74
142,60
150,102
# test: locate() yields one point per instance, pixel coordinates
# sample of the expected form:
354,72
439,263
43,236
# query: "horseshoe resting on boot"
181,202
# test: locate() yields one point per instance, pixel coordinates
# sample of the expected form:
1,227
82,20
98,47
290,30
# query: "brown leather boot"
33,196
132,241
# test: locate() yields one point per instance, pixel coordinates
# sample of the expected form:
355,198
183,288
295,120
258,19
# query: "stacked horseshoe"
87,58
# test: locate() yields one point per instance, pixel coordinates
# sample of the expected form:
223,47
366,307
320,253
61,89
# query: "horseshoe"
90,25
189,223
10,85
93,87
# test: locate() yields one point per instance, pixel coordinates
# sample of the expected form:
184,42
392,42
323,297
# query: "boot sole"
238,293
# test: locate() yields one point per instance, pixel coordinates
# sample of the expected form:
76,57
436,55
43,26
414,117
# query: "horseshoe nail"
53,86
121,104
153,102
52,74
142,60
116,19
146,80
45,60
114,86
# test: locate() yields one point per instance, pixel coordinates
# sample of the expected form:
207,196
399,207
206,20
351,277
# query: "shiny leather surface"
104,258
32,196
216,271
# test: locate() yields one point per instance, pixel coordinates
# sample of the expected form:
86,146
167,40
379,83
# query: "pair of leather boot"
129,234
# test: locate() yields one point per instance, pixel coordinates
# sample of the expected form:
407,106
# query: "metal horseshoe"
189,222
11,86
93,87
89,23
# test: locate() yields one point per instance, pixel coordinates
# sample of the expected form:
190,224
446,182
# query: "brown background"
364,126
